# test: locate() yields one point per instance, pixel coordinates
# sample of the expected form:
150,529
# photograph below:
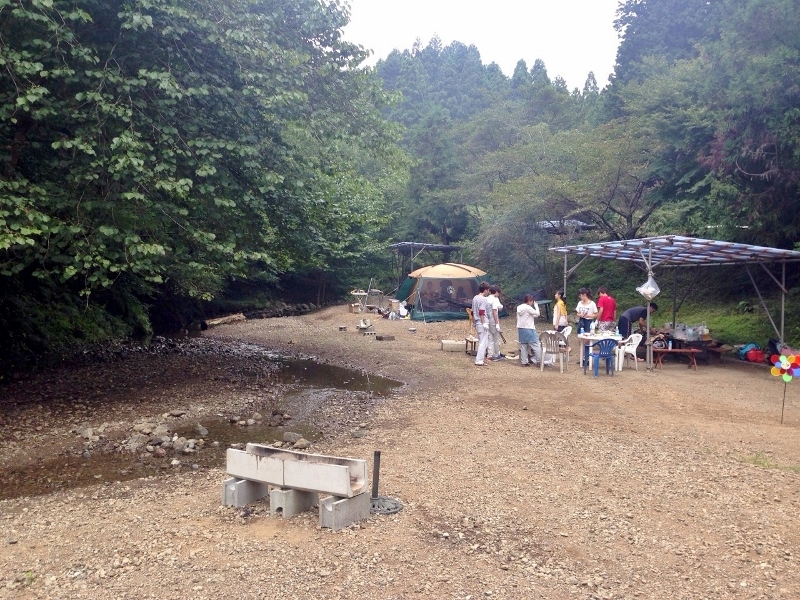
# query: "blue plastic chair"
605,348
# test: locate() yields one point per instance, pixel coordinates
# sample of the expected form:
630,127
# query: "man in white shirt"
494,323
480,309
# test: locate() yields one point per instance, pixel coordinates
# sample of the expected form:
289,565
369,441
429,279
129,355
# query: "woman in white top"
529,349
586,309
587,312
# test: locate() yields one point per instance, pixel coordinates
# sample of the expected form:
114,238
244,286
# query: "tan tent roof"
447,271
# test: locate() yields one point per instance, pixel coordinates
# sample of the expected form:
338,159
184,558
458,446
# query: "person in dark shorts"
638,315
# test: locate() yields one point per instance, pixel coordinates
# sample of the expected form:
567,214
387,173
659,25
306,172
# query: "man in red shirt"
606,310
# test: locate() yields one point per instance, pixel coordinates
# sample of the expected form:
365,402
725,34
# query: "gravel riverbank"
515,483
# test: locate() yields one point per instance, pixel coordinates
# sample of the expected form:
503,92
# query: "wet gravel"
80,424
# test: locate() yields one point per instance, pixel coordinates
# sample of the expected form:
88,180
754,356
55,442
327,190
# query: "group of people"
486,307
600,316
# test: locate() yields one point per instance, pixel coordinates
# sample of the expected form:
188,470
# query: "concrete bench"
298,478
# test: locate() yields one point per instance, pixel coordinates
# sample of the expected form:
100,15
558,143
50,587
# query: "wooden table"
691,353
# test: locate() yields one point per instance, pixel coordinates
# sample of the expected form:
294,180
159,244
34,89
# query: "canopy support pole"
782,286
783,302
568,271
764,304
648,261
674,296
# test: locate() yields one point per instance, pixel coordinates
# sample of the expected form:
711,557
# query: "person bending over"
637,314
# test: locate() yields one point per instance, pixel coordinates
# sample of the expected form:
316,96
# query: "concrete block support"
288,503
297,479
239,492
336,513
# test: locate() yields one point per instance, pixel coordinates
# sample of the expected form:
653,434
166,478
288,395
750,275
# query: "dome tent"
441,292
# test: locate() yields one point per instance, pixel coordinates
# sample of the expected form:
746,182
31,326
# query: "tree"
730,120
180,140
433,212
752,86
521,78
670,29
607,176
539,77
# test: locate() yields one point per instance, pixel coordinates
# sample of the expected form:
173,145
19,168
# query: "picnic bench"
690,353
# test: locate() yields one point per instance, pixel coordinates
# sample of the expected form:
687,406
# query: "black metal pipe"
376,469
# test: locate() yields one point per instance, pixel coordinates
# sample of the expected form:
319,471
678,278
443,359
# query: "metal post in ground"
381,504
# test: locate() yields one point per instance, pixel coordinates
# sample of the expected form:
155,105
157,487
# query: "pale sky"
572,37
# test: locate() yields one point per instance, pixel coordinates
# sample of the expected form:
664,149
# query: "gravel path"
515,483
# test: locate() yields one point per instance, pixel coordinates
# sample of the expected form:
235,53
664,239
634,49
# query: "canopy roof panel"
676,250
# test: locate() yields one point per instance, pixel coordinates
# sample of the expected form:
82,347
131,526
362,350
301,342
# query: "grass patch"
760,459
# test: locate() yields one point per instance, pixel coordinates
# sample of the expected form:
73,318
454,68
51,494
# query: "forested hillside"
159,154
696,133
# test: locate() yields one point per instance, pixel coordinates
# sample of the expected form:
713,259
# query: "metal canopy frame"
409,252
679,251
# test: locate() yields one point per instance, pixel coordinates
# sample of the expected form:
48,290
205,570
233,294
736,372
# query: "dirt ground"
515,483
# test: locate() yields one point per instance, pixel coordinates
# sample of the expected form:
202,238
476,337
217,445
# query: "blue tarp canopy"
681,251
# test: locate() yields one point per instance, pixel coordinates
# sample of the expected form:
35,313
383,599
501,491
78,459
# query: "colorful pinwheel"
785,366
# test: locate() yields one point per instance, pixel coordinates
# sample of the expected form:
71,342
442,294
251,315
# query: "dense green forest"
163,157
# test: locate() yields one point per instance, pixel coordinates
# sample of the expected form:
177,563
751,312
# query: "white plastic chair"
547,358
565,332
628,346
555,344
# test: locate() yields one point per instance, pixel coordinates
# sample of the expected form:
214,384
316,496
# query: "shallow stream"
311,392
